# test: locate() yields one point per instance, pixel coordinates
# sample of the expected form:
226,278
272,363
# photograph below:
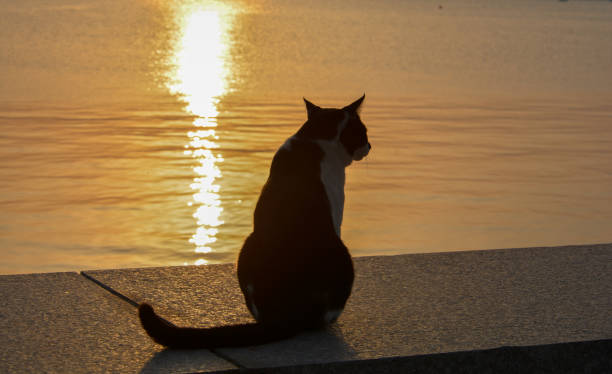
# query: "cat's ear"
310,107
355,106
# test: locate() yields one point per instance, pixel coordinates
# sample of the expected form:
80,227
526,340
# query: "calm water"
140,133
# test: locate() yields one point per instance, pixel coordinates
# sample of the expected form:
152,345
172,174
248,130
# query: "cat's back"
297,159
294,200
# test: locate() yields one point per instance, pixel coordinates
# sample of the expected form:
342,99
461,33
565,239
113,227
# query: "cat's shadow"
177,361
330,341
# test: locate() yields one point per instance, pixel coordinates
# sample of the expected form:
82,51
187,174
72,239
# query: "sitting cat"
293,269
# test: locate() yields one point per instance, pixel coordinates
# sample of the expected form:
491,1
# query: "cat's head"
340,126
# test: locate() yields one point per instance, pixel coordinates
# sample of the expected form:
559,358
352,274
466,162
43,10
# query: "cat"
294,270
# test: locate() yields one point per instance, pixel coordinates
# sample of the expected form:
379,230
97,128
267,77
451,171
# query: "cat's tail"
171,336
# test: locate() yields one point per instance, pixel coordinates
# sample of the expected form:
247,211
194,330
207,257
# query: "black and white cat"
293,269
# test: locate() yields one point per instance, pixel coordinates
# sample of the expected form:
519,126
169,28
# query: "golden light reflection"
200,78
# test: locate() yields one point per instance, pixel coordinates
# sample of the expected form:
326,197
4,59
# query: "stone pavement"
530,309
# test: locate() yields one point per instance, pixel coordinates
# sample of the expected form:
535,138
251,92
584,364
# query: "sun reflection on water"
200,77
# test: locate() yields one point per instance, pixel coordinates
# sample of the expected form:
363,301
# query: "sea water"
140,133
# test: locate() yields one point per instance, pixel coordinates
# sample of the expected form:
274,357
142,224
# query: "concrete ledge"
531,309
64,323
577,357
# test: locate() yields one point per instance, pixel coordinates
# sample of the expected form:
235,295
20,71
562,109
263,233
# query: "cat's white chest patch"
333,179
334,162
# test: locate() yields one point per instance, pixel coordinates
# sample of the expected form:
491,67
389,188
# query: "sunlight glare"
200,78
200,73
